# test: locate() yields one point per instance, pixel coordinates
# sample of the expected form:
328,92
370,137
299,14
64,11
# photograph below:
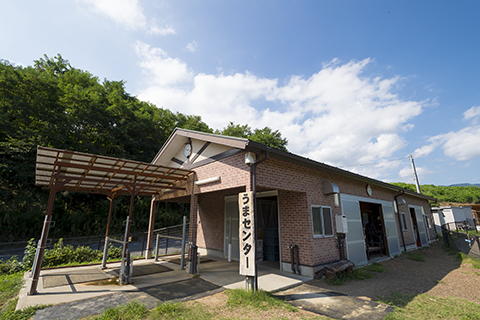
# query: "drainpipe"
398,214
292,257
254,190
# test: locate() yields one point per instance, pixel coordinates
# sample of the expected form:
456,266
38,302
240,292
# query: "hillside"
469,194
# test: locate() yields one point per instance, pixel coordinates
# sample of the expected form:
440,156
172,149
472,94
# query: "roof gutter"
290,157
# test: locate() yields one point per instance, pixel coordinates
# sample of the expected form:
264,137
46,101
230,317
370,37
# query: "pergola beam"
58,169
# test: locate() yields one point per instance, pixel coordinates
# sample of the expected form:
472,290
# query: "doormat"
144,269
180,289
71,277
178,260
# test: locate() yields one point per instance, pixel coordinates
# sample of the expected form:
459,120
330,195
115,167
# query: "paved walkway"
333,304
82,291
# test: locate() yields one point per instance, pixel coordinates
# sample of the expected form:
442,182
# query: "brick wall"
211,216
299,187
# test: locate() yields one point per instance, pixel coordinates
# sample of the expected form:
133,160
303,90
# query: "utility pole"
415,174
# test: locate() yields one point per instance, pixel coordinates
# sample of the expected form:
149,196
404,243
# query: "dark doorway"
374,229
267,228
415,227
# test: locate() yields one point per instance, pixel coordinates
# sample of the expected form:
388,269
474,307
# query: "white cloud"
472,113
460,145
191,47
407,172
425,150
337,115
155,30
128,14
163,71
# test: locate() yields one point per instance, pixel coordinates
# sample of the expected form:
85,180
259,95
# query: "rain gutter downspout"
254,190
398,214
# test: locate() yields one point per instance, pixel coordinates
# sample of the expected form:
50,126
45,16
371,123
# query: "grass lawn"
424,306
10,285
240,304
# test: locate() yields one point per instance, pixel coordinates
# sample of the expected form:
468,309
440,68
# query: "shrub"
11,266
67,254
29,256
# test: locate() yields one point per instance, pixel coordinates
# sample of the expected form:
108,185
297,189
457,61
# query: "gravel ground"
439,275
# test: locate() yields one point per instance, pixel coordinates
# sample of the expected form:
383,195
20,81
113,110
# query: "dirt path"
439,275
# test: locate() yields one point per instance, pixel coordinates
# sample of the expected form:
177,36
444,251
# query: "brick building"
299,202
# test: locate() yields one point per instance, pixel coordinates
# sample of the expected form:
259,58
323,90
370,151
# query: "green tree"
264,136
56,105
444,194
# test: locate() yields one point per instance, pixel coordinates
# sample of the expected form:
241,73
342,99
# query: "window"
428,222
403,221
322,221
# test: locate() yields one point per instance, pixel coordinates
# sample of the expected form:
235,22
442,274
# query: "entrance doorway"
268,246
267,229
415,228
374,229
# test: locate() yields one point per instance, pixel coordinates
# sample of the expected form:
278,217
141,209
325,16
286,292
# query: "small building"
452,216
327,212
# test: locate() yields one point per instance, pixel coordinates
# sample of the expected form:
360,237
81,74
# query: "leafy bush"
29,256
114,253
11,266
67,254
59,255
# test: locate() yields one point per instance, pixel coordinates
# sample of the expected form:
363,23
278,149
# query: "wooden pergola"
59,170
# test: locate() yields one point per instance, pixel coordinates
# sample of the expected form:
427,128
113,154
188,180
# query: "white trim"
323,235
206,181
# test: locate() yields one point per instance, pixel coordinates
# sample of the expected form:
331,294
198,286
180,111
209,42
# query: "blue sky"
346,82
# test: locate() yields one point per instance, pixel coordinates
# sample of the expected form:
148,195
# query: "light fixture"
250,158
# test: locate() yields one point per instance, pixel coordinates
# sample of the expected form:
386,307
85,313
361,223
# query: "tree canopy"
56,105
452,194
264,136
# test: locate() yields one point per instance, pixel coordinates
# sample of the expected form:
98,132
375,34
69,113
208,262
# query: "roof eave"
290,157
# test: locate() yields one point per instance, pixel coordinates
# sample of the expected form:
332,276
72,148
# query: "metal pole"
143,245
415,177
229,239
151,227
41,247
184,236
166,241
38,249
156,247
130,213
105,254
125,239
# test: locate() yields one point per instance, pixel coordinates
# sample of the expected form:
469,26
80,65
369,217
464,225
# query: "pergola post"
133,191
110,197
151,227
43,239
58,169
192,237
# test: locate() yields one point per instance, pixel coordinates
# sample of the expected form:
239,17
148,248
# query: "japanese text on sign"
246,232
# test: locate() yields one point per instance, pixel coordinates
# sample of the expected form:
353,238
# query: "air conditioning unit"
341,223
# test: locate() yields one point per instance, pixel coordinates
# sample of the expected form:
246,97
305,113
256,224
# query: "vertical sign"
246,234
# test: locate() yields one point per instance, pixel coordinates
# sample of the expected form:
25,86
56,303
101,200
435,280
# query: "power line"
373,163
